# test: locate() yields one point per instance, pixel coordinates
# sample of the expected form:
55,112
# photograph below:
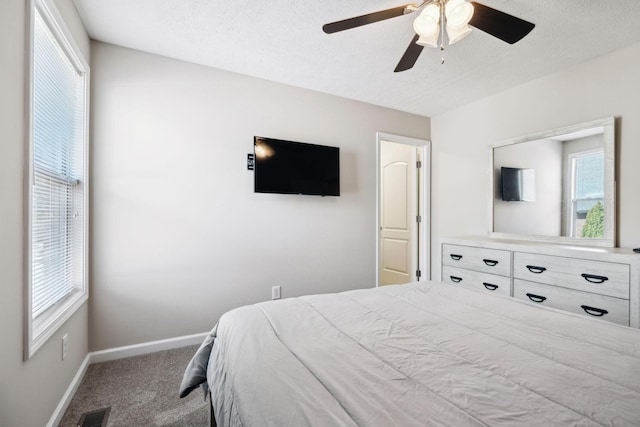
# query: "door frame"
424,204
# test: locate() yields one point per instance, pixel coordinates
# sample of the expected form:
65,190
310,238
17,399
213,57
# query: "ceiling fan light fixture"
439,18
458,13
426,25
457,34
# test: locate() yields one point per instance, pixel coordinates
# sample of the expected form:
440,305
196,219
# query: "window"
57,195
587,194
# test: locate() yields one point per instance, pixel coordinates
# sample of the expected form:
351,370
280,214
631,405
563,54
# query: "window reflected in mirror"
585,201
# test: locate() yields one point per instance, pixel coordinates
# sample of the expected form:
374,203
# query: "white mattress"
418,355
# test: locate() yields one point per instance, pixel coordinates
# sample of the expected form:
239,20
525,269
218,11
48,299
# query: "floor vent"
95,418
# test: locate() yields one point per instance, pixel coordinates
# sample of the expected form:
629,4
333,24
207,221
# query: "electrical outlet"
275,292
65,346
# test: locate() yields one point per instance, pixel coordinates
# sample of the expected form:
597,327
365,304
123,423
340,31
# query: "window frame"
38,331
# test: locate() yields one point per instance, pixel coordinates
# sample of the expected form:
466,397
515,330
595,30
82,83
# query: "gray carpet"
141,391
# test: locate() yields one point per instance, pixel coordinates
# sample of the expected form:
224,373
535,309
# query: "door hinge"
418,218
419,164
418,274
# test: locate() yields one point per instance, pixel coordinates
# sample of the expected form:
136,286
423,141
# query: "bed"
419,354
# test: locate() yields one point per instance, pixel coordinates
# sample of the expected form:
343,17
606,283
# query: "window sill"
47,323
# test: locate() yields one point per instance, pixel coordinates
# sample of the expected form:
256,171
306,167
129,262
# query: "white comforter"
419,355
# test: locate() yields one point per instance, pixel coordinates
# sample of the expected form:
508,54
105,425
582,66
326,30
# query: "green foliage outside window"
594,223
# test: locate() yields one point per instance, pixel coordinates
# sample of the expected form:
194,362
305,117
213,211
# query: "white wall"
31,390
607,86
178,235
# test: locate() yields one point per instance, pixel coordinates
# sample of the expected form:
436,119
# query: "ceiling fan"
437,15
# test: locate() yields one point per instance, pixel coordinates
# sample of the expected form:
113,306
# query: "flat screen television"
288,167
518,185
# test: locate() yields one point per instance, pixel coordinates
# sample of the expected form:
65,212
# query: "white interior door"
398,240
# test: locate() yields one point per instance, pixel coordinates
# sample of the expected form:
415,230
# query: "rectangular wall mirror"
556,186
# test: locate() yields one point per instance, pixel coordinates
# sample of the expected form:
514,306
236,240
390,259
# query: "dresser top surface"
598,253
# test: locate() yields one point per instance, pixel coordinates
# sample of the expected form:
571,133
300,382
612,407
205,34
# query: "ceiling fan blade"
506,27
410,56
369,18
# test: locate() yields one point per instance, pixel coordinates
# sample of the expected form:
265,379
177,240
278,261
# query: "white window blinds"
57,192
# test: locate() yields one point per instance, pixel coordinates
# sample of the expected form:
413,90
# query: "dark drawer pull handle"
490,262
490,286
594,279
455,279
535,269
598,312
536,298
455,257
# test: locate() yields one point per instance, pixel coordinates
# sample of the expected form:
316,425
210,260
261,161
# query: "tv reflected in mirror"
518,185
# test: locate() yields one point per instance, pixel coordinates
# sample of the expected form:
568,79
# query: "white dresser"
595,282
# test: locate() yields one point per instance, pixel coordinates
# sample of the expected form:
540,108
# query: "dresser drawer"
500,285
614,310
599,277
491,261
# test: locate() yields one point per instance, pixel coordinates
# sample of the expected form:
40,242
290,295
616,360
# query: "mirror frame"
608,125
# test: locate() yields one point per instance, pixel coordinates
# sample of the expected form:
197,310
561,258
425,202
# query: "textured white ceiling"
282,41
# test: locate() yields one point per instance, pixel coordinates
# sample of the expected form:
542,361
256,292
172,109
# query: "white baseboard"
68,395
114,354
145,348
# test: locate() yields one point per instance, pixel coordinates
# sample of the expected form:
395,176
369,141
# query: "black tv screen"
518,185
288,167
